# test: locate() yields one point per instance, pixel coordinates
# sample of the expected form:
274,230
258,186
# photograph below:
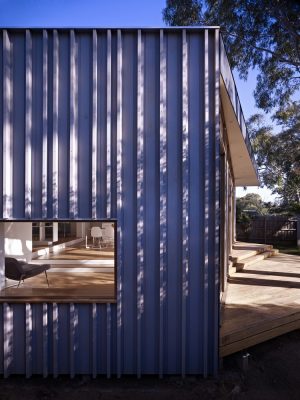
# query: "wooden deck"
262,302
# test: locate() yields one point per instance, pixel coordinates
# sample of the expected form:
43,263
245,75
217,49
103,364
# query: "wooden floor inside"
262,302
63,287
80,253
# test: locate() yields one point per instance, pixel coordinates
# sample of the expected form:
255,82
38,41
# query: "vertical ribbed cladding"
185,198
205,236
1,121
64,134
108,341
131,137
18,114
35,200
119,199
140,196
28,340
2,257
7,127
140,108
73,169
28,124
45,126
45,340
151,321
216,288
8,344
214,202
173,317
94,346
94,125
195,309
54,336
108,125
2,339
212,187
85,108
72,326
55,89
163,201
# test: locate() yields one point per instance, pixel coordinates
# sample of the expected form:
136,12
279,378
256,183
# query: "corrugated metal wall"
117,124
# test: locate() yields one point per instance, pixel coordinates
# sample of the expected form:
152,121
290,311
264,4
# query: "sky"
109,13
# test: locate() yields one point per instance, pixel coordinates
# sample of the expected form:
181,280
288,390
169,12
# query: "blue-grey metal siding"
117,124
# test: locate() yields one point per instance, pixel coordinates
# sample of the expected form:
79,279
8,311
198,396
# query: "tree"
179,13
278,156
262,34
249,204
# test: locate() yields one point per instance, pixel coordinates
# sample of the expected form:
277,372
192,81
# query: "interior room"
65,258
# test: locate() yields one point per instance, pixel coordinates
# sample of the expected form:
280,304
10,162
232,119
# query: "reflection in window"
80,259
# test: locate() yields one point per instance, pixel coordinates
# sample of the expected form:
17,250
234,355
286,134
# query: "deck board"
262,302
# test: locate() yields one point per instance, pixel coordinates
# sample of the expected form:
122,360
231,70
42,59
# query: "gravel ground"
273,373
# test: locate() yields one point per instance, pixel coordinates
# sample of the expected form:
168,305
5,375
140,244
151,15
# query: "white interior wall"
82,229
55,232
18,240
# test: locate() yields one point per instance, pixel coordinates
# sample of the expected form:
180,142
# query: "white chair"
108,234
96,234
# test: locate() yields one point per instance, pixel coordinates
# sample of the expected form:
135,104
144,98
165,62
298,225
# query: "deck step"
241,254
254,259
251,246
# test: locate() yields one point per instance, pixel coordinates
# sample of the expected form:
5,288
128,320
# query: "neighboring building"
143,128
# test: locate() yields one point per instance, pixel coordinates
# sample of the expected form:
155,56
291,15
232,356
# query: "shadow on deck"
262,302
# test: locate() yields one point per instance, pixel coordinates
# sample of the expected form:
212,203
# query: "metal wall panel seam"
94,127
162,200
72,340
119,204
28,125
94,340
7,128
108,126
217,201
45,340
8,339
28,340
2,256
140,196
206,205
55,339
73,195
55,127
185,198
108,340
45,126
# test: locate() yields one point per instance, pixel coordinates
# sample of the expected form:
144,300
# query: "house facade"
144,128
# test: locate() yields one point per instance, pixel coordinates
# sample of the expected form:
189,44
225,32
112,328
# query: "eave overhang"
242,158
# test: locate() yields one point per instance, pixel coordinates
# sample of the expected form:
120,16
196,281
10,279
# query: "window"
59,260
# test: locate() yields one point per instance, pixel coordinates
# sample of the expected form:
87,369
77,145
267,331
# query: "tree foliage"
179,13
278,156
262,34
265,35
250,204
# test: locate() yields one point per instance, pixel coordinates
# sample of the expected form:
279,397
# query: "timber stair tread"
243,255
239,253
254,259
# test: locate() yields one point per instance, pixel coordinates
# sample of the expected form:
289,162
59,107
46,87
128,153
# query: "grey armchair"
20,270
